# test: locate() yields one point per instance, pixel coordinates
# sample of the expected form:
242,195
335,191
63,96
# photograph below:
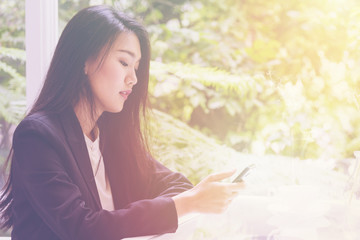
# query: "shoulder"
39,123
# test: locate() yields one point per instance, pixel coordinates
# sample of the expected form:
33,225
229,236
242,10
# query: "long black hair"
87,34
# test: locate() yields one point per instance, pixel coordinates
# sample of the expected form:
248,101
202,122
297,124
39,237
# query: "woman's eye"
124,63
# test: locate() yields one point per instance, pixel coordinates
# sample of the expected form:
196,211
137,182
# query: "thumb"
219,176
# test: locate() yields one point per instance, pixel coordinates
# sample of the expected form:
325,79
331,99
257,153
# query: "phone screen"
243,173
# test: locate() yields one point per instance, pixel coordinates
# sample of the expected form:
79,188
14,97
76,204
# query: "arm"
209,196
167,183
42,175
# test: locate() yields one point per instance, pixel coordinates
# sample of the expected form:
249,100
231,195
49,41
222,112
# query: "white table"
292,213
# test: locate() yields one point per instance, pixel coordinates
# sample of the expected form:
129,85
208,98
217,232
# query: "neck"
87,119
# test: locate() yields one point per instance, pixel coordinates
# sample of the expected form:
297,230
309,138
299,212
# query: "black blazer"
55,194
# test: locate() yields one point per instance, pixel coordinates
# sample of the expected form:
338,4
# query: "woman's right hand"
209,196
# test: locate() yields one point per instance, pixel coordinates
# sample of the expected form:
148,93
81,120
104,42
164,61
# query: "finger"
230,187
219,176
234,189
240,185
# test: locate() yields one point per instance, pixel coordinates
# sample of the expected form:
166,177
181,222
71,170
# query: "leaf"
11,71
197,99
232,107
216,103
211,77
13,53
12,105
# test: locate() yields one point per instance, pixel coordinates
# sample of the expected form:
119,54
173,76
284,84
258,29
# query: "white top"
101,179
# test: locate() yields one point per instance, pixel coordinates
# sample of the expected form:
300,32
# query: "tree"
299,56
12,69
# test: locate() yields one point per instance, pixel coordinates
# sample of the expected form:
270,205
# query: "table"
290,213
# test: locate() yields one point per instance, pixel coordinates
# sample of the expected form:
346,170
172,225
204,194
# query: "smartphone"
243,173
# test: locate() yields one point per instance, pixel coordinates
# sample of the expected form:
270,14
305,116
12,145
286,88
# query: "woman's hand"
209,196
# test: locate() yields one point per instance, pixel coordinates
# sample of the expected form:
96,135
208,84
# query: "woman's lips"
125,94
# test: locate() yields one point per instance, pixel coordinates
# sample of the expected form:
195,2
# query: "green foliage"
183,149
12,106
299,56
211,77
13,53
12,69
264,77
12,24
211,99
182,88
67,10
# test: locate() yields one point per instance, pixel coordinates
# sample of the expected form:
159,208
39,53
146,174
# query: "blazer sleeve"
167,183
39,168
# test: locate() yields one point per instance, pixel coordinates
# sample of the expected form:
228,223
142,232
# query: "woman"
80,168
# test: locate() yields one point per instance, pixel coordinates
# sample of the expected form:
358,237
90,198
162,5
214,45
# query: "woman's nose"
131,79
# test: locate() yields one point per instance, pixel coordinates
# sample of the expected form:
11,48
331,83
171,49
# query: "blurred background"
262,78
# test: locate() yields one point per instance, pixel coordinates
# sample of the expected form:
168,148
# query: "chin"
116,109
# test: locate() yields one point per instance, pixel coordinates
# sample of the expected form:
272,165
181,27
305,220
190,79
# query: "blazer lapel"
78,147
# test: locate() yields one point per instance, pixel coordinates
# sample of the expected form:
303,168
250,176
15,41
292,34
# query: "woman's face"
112,82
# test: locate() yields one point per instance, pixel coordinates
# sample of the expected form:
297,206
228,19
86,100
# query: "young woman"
80,168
